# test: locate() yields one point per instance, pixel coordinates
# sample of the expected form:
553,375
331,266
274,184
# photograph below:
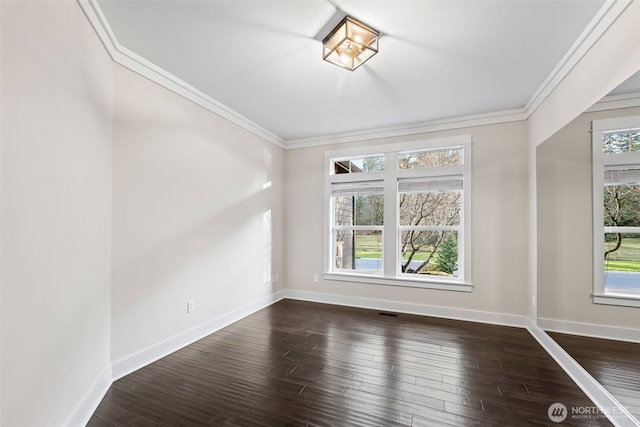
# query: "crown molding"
134,62
605,17
416,128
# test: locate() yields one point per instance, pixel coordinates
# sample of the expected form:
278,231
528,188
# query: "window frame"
390,176
600,163
430,228
336,228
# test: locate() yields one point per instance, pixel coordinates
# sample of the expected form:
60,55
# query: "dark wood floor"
614,364
299,363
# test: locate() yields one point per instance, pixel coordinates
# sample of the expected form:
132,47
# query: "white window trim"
390,236
600,161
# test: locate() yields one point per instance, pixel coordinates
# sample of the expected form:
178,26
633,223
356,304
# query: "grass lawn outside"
626,258
368,246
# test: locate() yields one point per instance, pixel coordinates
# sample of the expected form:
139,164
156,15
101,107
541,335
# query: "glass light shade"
350,44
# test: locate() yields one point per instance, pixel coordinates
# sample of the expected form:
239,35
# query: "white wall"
57,90
197,215
565,236
612,59
499,225
120,202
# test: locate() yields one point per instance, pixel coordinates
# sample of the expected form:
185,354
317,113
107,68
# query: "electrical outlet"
315,278
190,306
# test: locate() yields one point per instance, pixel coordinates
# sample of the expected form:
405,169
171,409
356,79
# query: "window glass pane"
358,250
359,210
621,142
429,252
622,205
359,165
433,208
430,158
622,262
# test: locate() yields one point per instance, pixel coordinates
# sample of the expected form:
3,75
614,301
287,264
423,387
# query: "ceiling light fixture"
350,44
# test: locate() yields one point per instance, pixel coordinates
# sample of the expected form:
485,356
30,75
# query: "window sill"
424,284
617,299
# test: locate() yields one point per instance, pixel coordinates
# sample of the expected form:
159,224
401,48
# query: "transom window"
616,198
400,214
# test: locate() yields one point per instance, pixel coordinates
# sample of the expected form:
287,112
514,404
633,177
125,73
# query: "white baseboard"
609,405
411,308
91,400
149,355
590,330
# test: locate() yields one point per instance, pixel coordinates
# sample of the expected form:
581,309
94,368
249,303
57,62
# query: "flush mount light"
350,44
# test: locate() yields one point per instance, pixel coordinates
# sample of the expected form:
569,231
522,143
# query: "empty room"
319,213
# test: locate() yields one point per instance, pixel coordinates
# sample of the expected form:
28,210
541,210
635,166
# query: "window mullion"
464,235
390,235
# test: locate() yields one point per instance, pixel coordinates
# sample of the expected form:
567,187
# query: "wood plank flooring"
614,364
298,363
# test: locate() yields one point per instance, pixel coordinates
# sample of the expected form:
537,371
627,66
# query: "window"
616,200
400,214
429,225
358,211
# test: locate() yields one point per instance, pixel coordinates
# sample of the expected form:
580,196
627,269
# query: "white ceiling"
438,59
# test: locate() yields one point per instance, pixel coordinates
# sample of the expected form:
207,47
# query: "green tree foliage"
432,158
621,209
369,210
423,209
371,164
621,142
622,205
447,254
